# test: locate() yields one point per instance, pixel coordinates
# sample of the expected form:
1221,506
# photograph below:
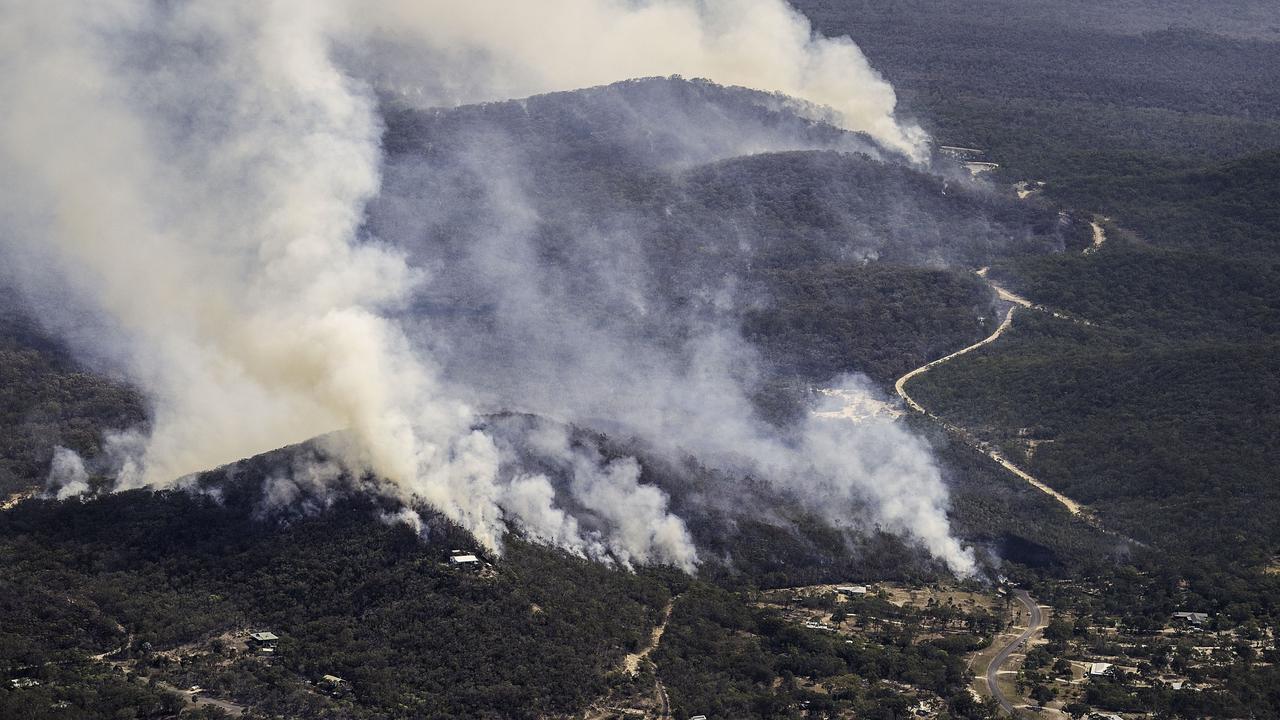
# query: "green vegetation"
1228,207
1174,668
348,595
84,691
724,658
882,320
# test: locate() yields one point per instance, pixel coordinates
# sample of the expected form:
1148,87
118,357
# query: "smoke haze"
187,194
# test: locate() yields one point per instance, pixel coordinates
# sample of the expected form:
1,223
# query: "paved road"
1002,657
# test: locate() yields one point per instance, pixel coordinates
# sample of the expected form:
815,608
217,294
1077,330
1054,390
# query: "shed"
264,642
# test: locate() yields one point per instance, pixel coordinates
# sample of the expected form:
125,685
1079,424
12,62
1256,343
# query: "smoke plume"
185,193
497,49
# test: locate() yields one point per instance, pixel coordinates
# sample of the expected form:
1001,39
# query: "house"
698,717
1100,669
464,561
20,683
264,642
960,153
1191,618
852,590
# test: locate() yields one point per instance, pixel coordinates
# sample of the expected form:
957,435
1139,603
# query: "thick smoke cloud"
195,173
497,49
193,177
594,337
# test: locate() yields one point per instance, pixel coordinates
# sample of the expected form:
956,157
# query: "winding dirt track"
631,663
902,381
987,449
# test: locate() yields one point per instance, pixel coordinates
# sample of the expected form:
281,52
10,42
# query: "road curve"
899,386
1002,657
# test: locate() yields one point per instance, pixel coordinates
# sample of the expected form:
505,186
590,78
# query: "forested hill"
840,257
619,128
695,169
1161,116
704,201
1230,207
1056,88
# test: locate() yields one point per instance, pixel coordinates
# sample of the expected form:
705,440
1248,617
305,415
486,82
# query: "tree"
1076,710
1059,630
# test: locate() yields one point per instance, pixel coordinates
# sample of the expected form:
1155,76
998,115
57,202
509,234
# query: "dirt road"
900,387
631,663
231,708
1099,237
1072,506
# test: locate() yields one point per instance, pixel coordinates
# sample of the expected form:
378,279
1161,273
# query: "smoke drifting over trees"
198,194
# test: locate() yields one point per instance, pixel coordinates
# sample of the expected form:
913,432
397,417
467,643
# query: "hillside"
634,298
648,230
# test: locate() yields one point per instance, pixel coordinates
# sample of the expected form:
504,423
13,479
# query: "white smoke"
67,475
194,176
118,459
404,516
498,49
198,172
